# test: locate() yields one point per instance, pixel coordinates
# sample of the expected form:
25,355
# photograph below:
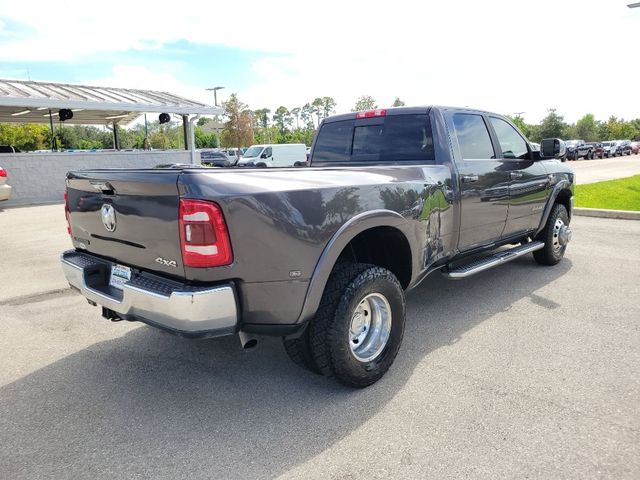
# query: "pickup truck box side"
297,234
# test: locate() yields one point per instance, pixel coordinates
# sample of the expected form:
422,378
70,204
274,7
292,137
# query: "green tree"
328,106
318,108
552,126
364,102
238,129
296,114
587,128
306,114
398,103
262,117
282,119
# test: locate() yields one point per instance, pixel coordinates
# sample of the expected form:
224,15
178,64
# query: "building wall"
38,178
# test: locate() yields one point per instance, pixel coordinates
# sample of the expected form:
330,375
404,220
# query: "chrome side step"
491,261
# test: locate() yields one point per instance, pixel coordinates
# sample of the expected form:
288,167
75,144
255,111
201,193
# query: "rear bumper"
5,192
178,308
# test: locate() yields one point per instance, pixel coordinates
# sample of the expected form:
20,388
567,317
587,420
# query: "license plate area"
119,275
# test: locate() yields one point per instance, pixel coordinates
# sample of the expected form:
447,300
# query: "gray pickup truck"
320,256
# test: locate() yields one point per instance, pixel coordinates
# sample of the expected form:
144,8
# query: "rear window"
395,138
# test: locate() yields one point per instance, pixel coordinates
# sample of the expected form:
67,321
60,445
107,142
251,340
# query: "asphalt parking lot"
520,372
601,169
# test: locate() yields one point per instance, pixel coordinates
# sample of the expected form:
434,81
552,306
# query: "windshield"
571,142
252,152
606,144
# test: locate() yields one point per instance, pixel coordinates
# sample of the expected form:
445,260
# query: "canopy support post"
53,136
185,131
115,136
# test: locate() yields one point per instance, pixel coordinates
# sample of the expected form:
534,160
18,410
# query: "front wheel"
358,329
556,234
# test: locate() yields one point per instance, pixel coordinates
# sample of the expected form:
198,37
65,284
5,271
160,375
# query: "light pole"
634,5
215,93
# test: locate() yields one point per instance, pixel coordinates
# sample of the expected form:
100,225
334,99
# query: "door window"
511,142
473,136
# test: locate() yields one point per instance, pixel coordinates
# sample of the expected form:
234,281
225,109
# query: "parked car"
321,256
635,147
623,147
233,155
274,155
596,149
5,188
578,149
214,158
609,149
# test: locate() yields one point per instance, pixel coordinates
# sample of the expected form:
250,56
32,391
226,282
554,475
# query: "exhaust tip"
247,342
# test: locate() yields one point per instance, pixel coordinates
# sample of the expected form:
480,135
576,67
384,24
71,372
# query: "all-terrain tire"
329,338
550,254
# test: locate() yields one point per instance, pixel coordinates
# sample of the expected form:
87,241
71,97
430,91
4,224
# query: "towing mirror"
552,148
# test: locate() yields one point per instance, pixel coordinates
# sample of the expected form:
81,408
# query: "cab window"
473,136
511,142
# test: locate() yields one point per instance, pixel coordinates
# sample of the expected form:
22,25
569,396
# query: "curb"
602,213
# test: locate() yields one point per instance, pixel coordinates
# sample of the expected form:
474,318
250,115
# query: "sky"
504,56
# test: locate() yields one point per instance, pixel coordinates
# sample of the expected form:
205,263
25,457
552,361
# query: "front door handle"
516,175
469,178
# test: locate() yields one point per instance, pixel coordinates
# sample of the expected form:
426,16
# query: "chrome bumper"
180,309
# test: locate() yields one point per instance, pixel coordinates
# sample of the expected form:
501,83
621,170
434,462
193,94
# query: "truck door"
483,182
528,180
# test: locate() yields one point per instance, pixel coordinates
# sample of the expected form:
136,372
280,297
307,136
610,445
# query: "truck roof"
423,109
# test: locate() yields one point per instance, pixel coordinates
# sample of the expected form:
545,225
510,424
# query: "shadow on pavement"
152,405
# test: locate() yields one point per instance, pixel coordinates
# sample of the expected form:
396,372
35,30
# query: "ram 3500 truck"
320,256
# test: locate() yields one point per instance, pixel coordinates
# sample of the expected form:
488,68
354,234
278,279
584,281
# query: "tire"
552,252
358,293
261,165
299,351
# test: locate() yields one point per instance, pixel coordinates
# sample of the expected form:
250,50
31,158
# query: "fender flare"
561,186
335,246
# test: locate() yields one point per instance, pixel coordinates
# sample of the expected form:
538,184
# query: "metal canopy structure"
30,102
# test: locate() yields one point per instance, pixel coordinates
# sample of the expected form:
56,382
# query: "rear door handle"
516,175
469,178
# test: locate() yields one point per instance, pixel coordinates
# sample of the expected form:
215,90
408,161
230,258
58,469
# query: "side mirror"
552,148
264,155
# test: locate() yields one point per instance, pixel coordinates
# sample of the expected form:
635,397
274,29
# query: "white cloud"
504,56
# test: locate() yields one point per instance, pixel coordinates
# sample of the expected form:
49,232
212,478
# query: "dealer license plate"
119,276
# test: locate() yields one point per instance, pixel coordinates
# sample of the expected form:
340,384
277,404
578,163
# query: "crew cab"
578,149
321,256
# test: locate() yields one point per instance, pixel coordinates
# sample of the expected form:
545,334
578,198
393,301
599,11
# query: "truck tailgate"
130,216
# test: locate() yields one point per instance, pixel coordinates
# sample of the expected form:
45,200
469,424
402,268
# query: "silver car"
5,188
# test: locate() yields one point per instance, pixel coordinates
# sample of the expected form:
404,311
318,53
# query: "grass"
621,194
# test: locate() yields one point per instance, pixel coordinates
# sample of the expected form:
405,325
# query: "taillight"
3,172
66,211
378,112
204,238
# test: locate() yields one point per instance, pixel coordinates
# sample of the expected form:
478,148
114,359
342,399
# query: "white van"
275,155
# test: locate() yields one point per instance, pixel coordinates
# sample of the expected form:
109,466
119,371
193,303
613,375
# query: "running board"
491,261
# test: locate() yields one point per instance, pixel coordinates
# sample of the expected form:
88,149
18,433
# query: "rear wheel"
357,331
555,235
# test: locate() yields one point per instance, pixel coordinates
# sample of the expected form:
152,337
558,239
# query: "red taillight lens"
3,172
379,112
203,235
66,211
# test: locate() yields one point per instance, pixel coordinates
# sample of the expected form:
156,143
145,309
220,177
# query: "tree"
364,102
296,113
306,114
587,128
318,108
238,129
552,126
262,117
282,119
398,103
328,106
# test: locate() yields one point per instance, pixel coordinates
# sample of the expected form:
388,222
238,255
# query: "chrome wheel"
561,235
370,327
